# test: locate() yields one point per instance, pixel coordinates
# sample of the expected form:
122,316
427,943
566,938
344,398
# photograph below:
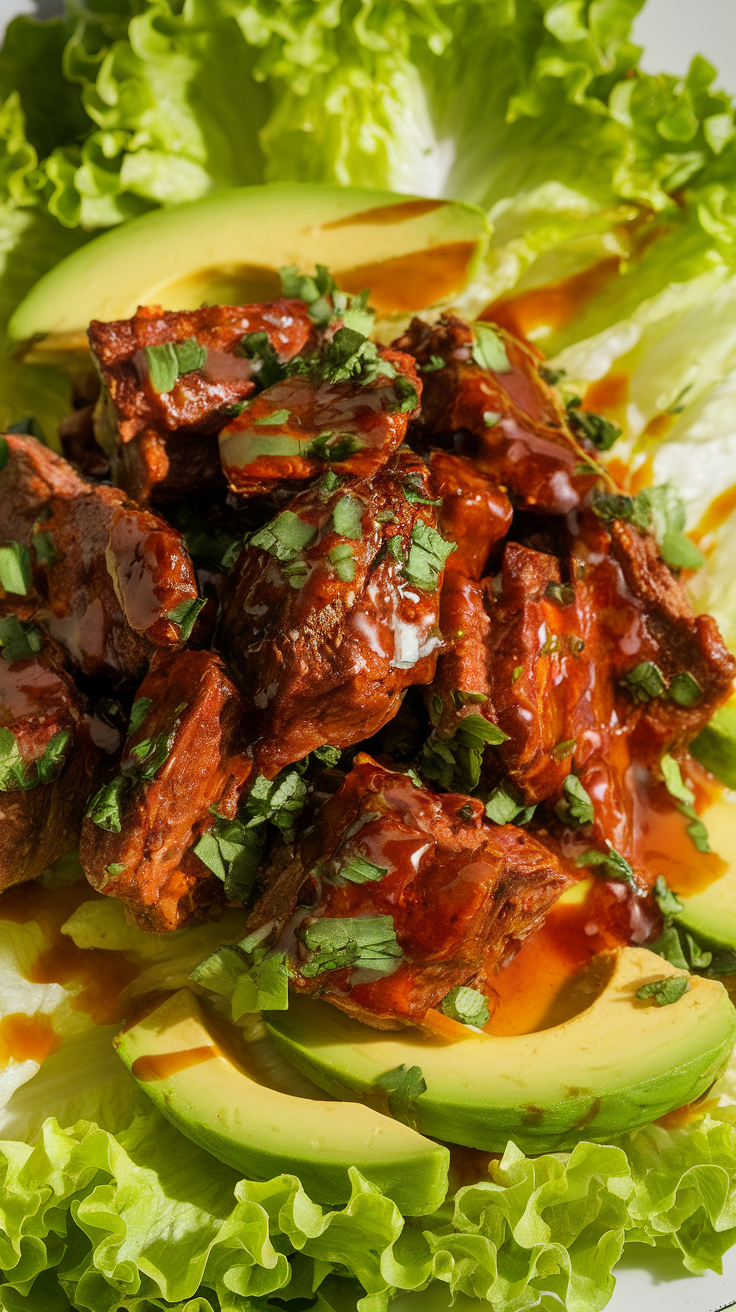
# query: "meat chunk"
79,444
398,895
333,610
304,424
161,408
48,760
114,582
501,414
475,513
185,763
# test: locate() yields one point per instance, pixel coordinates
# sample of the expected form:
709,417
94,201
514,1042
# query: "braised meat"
113,581
306,423
185,763
484,393
333,610
170,383
50,754
399,894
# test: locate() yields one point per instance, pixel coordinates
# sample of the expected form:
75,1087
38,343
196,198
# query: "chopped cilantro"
262,987
616,865
489,350
257,347
434,363
436,708
104,806
696,829
617,505
329,484
367,943
15,568
395,548
332,446
327,755
358,869
18,639
455,763
564,749
562,593
276,417
664,991
491,418
684,689
505,805
15,774
343,558
516,672
138,712
466,1005
668,522
462,696
414,492
169,360
428,552
185,615
115,868
347,518
576,806
644,682
600,432
667,901
403,1085
43,545
285,536
551,376
674,781
232,851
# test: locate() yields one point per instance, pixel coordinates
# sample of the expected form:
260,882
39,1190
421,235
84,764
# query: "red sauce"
27,1038
162,1065
399,213
717,513
102,973
411,282
609,393
554,306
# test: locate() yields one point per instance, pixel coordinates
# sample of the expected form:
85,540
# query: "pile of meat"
360,637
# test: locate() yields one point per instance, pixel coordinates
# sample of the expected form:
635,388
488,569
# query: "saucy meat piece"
304,424
108,573
333,610
475,513
566,637
501,414
170,382
185,762
48,761
417,884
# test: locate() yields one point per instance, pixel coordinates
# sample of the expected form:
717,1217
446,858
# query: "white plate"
670,31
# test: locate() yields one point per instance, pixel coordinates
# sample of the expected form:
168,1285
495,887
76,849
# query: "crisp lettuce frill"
143,1220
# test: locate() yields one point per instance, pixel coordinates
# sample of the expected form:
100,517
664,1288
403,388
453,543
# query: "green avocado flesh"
203,1090
711,914
227,249
618,1064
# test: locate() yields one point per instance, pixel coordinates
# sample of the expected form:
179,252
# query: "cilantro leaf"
277,417
600,432
357,869
562,593
576,807
185,615
669,946
674,782
667,901
103,808
505,805
491,418
467,1006
696,829
489,350
403,1084
684,689
263,987
668,522
285,536
15,568
15,774
644,682
368,943
257,347
342,557
138,712
232,851
19,640
455,763
616,865
617,505
434,363
428,552
347,518
665,991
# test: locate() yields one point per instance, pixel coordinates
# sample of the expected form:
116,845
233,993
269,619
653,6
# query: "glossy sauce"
27,1038
102,973
543,310
411,282
162,1065
608,393
719,510
399,213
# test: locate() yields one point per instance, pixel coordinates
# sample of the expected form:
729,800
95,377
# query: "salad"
365,613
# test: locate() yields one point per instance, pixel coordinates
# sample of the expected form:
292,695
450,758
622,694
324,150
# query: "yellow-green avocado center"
620,1063
183,1068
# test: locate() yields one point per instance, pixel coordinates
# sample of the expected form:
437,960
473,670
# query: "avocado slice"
711,915
227,249
616,1065
180,1063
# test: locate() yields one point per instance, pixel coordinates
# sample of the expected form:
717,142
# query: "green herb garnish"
367,943
15,568
665,991
185,615
616,865
428,552
19,639
168,361
489,350
466,1005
